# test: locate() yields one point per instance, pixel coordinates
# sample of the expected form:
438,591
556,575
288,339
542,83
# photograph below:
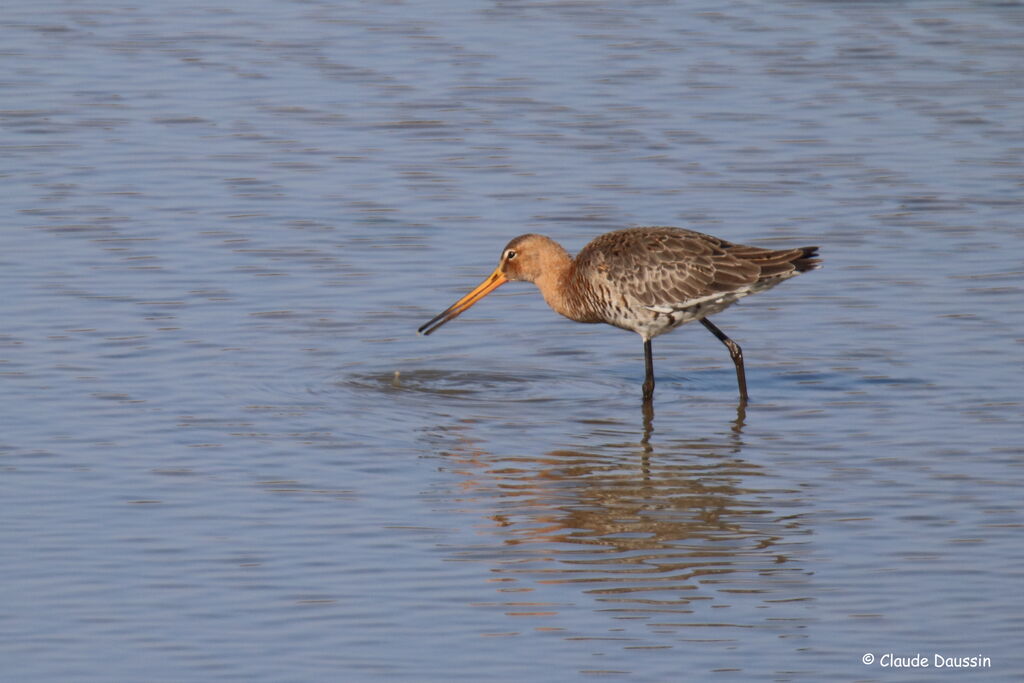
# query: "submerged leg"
649,366
737,356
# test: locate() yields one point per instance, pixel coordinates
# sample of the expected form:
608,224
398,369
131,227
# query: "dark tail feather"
782,263
806,261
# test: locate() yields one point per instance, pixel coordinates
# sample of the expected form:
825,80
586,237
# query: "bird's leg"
737,356
649,366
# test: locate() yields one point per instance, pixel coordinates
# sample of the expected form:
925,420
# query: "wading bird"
646,280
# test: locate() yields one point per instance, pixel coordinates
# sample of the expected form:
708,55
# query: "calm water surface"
225,455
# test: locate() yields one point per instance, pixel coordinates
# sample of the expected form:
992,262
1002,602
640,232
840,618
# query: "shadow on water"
676,535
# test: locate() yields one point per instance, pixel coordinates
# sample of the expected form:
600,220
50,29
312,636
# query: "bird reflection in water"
642,527
647,413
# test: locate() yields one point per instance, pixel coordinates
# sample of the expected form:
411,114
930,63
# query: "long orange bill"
495,280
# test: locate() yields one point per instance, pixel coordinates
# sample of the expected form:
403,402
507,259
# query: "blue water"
225,454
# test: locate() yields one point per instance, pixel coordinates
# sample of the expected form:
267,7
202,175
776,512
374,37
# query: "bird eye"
510,254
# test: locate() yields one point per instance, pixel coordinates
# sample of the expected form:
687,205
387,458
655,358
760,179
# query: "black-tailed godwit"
646,280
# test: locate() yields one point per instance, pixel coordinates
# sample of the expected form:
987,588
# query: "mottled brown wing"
663,266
